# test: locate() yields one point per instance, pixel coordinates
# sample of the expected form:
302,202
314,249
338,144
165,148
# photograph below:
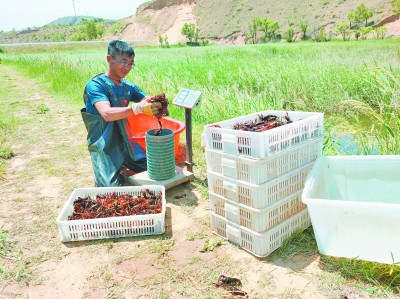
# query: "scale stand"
187,99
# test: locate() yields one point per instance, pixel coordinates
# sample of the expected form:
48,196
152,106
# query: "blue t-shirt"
96,92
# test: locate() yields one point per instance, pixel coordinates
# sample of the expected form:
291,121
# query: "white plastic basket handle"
203,140
229,138
228,163
233,231
231,209
230,186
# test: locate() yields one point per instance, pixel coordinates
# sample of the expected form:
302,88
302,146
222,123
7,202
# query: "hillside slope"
220,21
228,21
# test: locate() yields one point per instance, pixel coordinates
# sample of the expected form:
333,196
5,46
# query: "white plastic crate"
305,126
260,244
258,196
112,227
259,171
258,220
354,205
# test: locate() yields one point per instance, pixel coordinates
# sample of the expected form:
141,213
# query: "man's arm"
113,113
116,113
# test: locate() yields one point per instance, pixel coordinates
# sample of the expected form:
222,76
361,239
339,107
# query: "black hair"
120,48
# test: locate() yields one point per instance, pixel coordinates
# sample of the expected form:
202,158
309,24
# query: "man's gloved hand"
163,100
146,108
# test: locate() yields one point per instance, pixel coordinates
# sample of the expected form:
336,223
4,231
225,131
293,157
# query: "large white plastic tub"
354,206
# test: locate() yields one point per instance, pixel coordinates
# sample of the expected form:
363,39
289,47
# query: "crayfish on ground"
114,205
231,285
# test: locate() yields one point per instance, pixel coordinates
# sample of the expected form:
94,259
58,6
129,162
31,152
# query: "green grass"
356,85
13,267
8,123
193,235
300,242
383,277
237,80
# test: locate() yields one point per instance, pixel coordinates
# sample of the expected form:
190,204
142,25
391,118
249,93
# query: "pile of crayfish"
113,205
231,285
263,123
163,100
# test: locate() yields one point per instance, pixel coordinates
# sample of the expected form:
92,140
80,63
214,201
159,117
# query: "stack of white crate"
256,179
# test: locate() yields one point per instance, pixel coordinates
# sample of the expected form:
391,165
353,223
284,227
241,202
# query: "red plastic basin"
141,123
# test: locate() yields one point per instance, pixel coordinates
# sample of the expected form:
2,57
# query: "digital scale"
188,99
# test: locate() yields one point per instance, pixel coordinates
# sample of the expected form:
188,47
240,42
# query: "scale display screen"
187,98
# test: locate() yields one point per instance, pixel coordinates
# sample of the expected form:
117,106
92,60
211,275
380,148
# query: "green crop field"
356,84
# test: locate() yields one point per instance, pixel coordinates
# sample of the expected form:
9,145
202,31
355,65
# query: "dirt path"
51,160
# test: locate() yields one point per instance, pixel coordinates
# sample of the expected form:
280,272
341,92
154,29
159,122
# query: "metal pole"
73,3
189,153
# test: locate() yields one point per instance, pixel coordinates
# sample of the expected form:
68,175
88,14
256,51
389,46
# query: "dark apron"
110,145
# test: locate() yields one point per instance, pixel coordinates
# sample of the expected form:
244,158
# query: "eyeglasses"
123,63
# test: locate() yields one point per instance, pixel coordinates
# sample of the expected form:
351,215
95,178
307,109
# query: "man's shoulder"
99,78
96,81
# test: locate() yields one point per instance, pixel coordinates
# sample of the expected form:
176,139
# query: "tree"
252,34
303,28
166,41
88,30
273,28
365,31
188,31
91,30
196,35
289,34
353,18
380,32
100,29
263,24
343,29
160,40
163,41
321,36
363,13
191,32
396,6
357,33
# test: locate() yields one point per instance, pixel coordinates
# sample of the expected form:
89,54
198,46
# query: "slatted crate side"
259,171
258,220
260,244
258,196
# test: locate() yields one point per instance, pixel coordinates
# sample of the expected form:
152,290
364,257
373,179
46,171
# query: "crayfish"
160,98
231,284
263,123
112,205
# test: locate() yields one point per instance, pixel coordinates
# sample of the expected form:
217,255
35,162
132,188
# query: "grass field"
356,85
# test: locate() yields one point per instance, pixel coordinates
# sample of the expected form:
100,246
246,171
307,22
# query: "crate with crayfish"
112,212
263,134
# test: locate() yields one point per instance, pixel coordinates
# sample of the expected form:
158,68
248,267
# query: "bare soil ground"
51,160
